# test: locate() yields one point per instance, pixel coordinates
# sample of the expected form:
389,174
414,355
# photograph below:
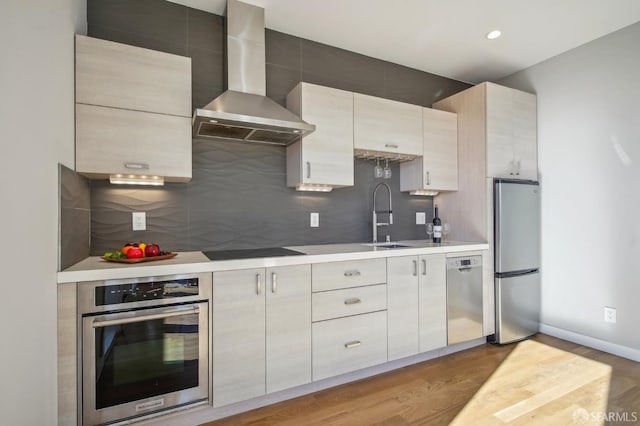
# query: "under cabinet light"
313,187
423,192
136,180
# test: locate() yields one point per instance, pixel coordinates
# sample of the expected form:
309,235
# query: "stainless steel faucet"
375,213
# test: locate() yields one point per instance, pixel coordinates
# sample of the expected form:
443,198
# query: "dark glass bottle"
437,226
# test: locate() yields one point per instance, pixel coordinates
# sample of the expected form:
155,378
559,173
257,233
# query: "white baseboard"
592,342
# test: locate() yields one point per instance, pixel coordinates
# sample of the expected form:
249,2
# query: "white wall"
589,160
36,132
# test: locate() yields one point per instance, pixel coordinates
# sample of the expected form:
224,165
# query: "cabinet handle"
518,168
391,145
352,273
424,267
353,301
415,268
258,284
353,344
136,166
274,282
308,170
428,178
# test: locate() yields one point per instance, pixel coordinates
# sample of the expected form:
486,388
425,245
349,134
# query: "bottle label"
437,231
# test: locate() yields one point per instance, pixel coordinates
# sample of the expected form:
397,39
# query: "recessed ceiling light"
492,35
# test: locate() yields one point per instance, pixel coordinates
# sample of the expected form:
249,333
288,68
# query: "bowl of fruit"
138,252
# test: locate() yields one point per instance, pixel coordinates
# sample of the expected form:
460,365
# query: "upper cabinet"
511,133
386,126
437,170
133,111
323,159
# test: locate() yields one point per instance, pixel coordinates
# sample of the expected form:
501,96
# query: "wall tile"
207,75
280,81
136,39
205,30
282,50
148,19
75,217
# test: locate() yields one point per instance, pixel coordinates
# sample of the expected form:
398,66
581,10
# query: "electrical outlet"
609,314
421,218
139,221
314,220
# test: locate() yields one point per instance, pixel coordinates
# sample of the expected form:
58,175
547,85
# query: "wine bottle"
437,227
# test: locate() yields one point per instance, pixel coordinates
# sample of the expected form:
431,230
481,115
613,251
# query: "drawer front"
352,273
348,344
349,301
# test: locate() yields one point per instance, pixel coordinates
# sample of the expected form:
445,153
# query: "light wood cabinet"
348,344
437,170
432,295
402,307
511,133
261,331
325,157
133,111
112,141
349,273
387,126
238,335
288,324
348,301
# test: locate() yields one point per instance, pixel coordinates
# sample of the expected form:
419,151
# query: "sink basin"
387,245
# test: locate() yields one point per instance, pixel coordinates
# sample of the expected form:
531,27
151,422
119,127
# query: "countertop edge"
94,269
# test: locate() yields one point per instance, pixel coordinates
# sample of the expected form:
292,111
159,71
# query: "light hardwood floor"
543,380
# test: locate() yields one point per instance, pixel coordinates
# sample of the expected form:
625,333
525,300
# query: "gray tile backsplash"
238,198
75,217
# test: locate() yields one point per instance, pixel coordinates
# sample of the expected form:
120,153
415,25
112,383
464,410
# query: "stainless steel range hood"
244,112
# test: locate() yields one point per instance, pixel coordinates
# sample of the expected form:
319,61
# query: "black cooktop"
250,253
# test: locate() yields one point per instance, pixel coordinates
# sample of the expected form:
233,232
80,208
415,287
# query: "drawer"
351,273
348,344
349,301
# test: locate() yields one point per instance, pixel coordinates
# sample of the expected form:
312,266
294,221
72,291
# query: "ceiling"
447,37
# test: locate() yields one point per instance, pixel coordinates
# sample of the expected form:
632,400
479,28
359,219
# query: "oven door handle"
164,314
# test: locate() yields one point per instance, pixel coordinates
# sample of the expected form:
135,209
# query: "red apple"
152,250
134,253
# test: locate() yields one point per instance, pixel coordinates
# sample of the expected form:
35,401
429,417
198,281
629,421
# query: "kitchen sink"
388,245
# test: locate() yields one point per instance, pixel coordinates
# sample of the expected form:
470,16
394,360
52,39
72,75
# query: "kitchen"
576,220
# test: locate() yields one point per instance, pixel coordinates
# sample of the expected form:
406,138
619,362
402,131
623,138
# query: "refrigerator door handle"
516,273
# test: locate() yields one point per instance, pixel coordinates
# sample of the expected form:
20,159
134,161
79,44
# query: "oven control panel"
116,294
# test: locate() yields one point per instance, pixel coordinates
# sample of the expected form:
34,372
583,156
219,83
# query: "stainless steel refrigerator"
517,258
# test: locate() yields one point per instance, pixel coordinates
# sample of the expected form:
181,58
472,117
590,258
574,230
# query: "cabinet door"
440,157
325,156
500,154
437,170
111,141
386,126
129,77
511,133
238,335
288,341
525,145
433,302
402,306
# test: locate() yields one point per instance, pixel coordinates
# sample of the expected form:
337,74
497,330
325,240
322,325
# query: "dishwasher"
464,299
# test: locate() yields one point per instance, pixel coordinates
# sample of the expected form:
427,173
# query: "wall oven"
145,346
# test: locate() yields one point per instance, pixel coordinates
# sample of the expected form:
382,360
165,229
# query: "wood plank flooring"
544,380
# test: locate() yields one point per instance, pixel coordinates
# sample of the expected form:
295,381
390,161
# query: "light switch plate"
421,218
314,220
139,221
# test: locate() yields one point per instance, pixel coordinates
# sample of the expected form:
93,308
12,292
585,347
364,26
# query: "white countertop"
94,268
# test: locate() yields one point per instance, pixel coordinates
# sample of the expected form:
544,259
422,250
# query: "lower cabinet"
416,304
432,298
347,344
402,306
261,331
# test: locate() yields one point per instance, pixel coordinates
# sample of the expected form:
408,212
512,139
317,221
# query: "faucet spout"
375,212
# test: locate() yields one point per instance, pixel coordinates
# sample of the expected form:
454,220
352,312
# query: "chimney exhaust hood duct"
244,112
